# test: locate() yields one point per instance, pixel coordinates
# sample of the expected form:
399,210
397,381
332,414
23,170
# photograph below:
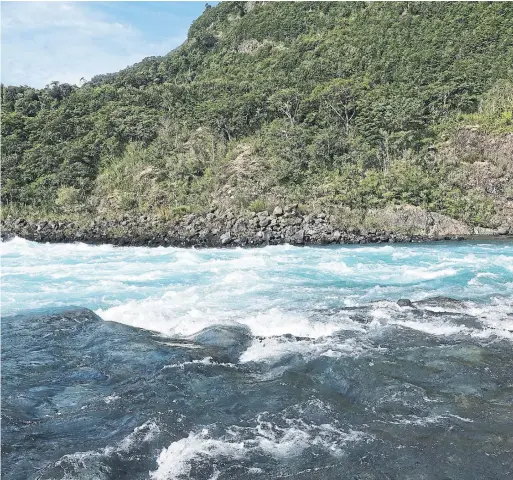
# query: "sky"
66,41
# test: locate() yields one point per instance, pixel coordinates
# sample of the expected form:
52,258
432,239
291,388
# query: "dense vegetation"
338,104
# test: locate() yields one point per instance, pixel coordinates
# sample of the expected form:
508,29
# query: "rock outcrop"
226,229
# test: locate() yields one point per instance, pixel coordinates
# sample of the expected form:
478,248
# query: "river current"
274,362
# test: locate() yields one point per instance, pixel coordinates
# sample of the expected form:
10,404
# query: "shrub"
69,199
257,205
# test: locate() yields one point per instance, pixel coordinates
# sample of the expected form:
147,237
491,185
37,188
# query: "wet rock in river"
229,340
404,302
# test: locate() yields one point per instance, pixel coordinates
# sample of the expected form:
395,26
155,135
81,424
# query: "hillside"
352,108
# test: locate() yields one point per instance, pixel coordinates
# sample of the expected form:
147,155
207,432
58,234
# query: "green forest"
330,105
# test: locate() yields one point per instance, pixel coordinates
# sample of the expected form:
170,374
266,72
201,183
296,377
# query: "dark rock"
299,237
205,230
230,340
264,222
404,302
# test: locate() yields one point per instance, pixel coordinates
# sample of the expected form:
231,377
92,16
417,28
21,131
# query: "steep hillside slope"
346,107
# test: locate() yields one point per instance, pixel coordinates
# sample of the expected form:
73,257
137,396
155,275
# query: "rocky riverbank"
213,229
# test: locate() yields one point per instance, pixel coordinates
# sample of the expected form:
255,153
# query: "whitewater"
383,361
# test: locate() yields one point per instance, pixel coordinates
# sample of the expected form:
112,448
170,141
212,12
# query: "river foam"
275,291
285,439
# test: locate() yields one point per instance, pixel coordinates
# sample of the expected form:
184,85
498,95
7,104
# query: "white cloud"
47,41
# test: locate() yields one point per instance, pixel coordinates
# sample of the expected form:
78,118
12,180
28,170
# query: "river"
343,362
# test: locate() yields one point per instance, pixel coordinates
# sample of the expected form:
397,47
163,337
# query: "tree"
338,100
286,102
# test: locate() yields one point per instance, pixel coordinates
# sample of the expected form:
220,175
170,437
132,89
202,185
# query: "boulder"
291,208
229,340
484,231
264,222
278,211
404,302
415,219
225,238
299,237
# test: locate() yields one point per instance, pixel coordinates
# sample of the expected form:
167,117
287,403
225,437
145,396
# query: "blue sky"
65,41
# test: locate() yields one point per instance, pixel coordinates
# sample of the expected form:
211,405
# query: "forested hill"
344,106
